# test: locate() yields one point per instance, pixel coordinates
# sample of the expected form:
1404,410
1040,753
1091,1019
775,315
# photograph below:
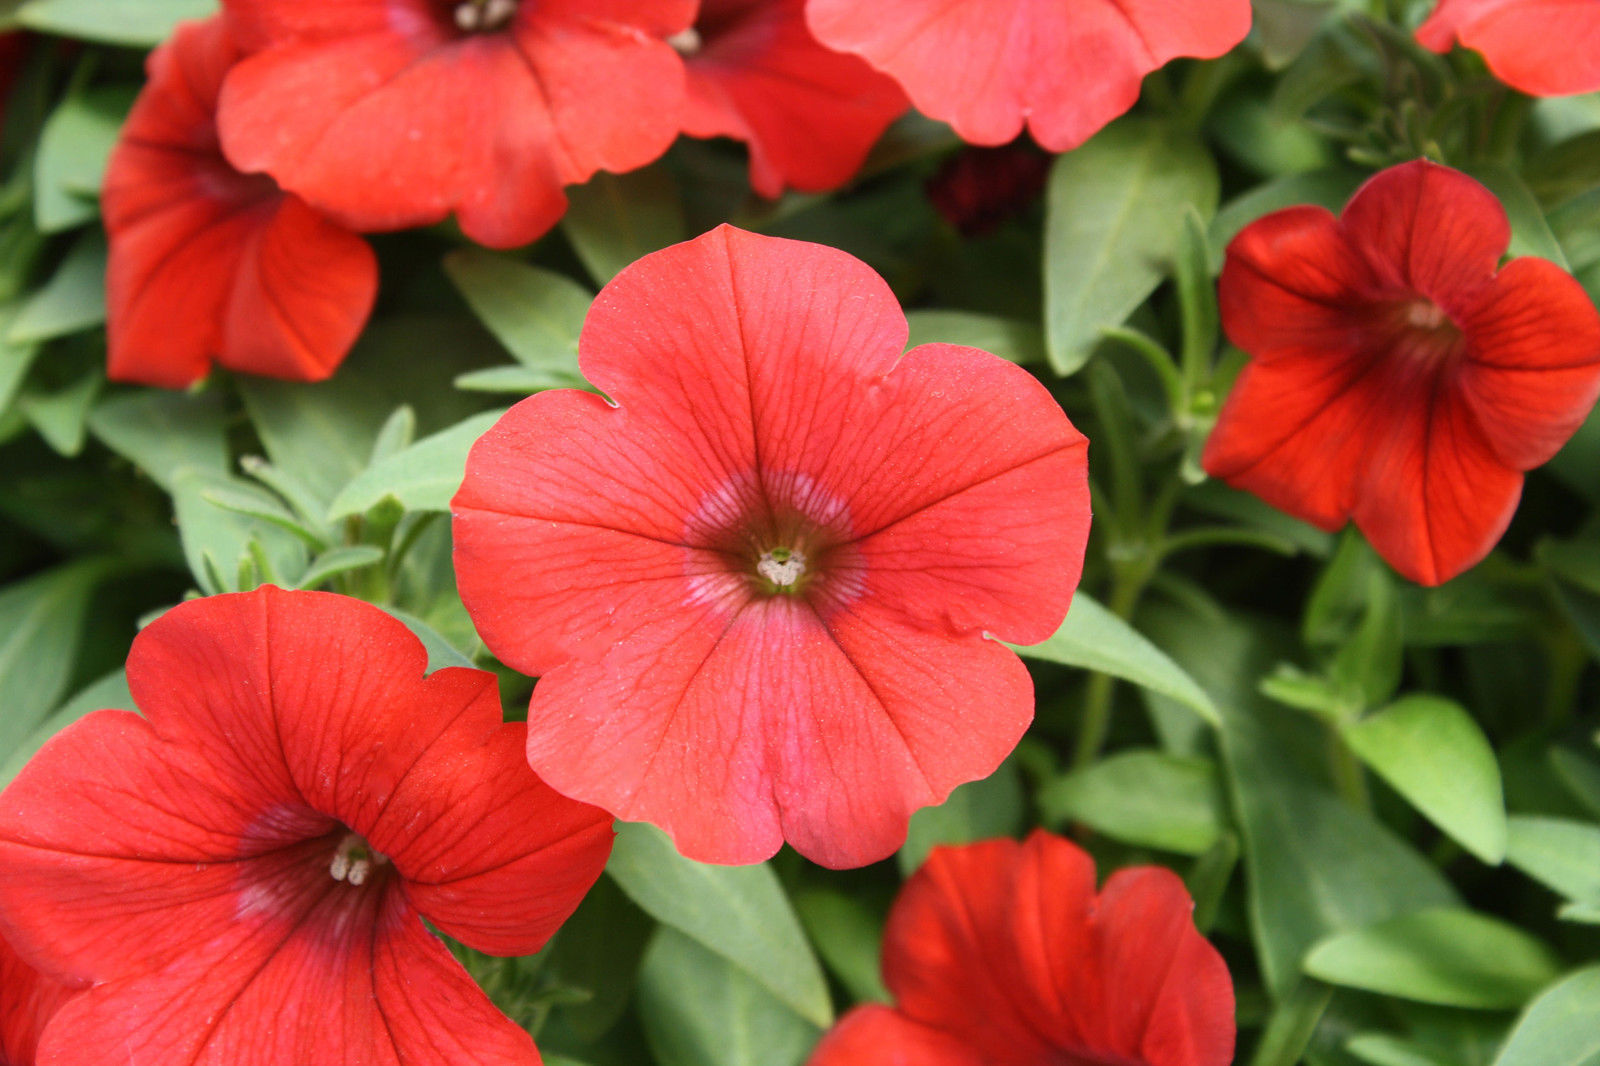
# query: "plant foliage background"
1385,799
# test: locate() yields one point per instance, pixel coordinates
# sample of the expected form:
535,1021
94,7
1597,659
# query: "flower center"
484,16
687,43
354,860
1425,314
782,568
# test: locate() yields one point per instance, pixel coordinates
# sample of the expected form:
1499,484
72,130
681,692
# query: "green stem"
1292,1024
1126,587
1349,779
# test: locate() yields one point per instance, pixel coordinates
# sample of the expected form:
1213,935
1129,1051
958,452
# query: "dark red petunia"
988,67
1397,377
395,113
28,1000
208,263
1542,47
1003,954
978,189
808,114
243,872
758,591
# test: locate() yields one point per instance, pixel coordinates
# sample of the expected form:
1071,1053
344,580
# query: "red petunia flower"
208,263
979,189
1003,954
394,113
244,871
1397,379
1542,47
757,591
808,114
989,66
28,1000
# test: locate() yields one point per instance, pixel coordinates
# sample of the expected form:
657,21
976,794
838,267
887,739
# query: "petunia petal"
29,1002
1532,371
347,976
988,66
1434,498
967,487
1542,47
828,736
96,894
1293,287
809,114
877,1036
1425,228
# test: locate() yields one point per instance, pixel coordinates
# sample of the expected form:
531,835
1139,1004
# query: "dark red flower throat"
787,538
481,16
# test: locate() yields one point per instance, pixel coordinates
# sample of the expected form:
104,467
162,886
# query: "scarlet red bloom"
1003,954
1543,47
394,113
208,263
808,114
989,66
757,591
27,1002
1396,378
243,872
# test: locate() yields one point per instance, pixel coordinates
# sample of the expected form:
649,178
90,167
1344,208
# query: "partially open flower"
1543,47
396,113
208,263
1003,954
1400,378
243,872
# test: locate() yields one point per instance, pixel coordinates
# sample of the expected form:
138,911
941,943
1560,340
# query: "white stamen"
687,43
1425,314
354,860
473,16
782,568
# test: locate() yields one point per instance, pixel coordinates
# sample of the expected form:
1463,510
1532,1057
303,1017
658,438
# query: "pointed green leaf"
41,627
1149,798
1010,339
136,23
160,432
73,149
422,477
536,313
1454,958
1558,852
737,912
991,807
1113,225
74,299
613,219
1092,638
1431,751
1559,1028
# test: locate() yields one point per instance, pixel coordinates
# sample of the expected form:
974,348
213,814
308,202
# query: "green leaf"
1092,638
1558,1028
441,653
1530,233
849,937
1114,221
110,691
613,219
516,380
322,434
422,477
1149,798
599,949
738,912
1558,852
73,300
216,540
1581,775
15,359
73,149
41,628
700,1010
62,417
1454,958
336,561
991,807
1431,751
1010,339
137,23
1381,1049
536,313
161,432
1314,864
